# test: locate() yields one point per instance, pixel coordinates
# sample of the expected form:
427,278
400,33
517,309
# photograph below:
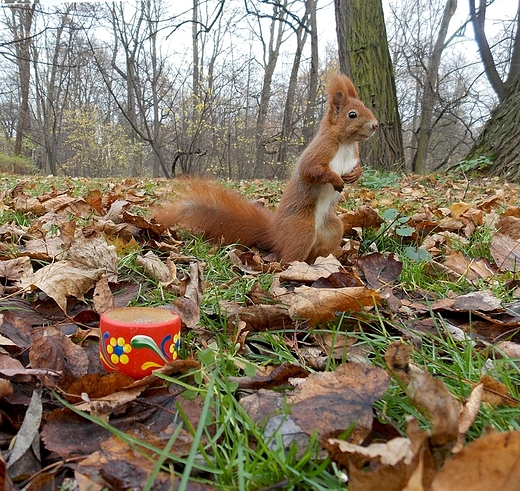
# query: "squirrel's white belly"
344,161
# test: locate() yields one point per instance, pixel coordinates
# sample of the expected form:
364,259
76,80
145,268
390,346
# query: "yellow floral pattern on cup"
174,347
118,350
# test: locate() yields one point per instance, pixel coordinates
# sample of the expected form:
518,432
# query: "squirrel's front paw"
338,184
353,175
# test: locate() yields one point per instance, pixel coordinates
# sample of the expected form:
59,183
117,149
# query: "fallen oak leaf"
94,253
63,279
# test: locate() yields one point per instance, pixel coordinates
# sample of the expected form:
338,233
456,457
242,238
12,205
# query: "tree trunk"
272,51
429,94
309,120
22,24
365,57
500,139
287,123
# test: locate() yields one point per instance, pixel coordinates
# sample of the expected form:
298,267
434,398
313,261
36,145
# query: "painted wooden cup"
137,340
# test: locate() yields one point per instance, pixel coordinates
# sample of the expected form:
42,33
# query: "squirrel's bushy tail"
219,214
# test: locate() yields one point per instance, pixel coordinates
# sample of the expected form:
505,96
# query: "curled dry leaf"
194,285
259,318
14,271
103,298
363,217
62,279
277,377
321,304
154,268
496,392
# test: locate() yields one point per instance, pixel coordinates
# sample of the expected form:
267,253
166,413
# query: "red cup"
138,340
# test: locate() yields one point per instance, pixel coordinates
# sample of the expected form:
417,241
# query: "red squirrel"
304,225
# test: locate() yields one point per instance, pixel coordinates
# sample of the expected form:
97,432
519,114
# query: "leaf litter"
59,275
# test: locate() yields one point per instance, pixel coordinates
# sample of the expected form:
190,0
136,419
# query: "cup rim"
107,317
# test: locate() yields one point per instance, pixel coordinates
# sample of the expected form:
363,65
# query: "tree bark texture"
365,57
500,138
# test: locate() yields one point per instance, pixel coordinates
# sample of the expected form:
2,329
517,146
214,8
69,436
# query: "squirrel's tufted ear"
341,83
349,87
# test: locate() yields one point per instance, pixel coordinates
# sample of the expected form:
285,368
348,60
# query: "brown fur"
292,232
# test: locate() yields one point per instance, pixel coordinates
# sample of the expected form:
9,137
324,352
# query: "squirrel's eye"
352,114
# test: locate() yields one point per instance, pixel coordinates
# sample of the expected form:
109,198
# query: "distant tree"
20,24
365,57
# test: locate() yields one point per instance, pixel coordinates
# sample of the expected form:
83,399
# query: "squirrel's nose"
375,125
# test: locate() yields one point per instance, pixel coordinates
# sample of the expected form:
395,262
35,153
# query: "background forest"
235,87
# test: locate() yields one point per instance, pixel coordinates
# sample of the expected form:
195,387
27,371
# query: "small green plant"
376,179
395,235
477,164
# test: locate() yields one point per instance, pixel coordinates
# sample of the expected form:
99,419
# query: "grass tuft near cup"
138,340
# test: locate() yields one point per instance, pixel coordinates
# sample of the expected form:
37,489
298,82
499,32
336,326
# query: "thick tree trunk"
500,139
364,56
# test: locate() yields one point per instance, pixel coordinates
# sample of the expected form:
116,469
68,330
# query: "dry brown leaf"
308,273
472,269
481,301
487,464
321,304
380,270
48,249
259,318
14,271
55,351
327,403
391,463
470,408
194,285
103,298
509,225
92,254
506,252
364,217
441,406
29,204
6,389
154,268
62,279
277,377
496,392
103,407
457,209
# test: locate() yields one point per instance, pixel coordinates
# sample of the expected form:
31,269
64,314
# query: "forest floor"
397,361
